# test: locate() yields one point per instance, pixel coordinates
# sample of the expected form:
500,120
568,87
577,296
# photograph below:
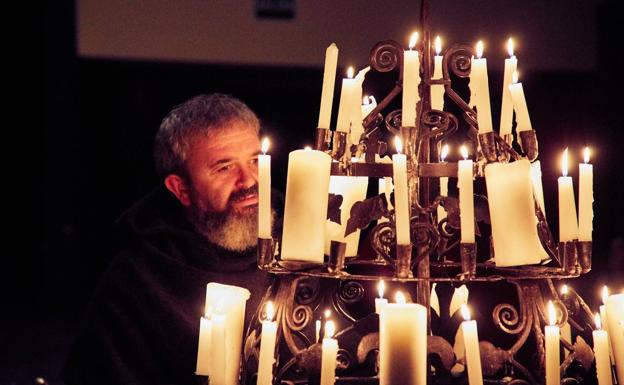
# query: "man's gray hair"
202,115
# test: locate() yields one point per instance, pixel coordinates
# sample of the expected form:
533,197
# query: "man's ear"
178,186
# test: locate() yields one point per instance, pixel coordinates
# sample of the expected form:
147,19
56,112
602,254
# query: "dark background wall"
82,150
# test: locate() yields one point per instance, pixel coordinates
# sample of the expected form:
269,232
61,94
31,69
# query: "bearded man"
199,226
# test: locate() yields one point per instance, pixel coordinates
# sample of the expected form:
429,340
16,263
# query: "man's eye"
225,168
254,161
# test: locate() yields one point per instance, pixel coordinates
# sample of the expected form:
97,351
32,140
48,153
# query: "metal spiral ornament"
507,319
387,56
393,122
299,318
382,239
351,292
344,359
457,59
307,291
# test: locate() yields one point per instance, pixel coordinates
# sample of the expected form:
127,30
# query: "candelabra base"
528,142
584,250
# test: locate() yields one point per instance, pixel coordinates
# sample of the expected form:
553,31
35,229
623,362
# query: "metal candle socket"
322,139
403,261
336,260
584,251
488,146
265,252
339,144
568,256
468,253
528,142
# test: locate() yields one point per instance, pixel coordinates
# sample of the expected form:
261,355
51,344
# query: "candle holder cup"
568,256
468,254
403,261
584,251
339,144
336,261
322,139
504,156
528,142
265,252
487,141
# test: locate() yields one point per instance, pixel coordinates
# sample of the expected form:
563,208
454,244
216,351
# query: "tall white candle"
356,109
605,319
536,179
443,184
523,121
386,187
349,85
203,346
401,200
267,348
586,198
264,192
437,90
552,348
305,211
566,330
218,345
506,118
466,199
403,343
478,74
601,352
411,80
615,316
471,345
329,79
329,355
568,225
381,301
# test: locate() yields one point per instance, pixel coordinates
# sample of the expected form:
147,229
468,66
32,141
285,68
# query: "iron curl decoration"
344,359
442,124
507,319
458,60
393,122
425,237
387,56
300,317
382,238
307,291
351,292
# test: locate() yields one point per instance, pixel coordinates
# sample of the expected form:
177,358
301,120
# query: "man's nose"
247,177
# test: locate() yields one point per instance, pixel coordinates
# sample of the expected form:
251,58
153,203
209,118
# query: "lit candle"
466,203
203,347
471,346
443,183
403,343
568,226
401,207
536,179
506,118
264,192
347,92
437,90
601,352
218,345
523,121
267,348
329,80
615,316
329,355
317,325
586,198
552,347
411,80
566,330
381,301
478,75
605,320
305,212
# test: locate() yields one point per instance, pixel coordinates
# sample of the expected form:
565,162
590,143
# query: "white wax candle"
568,225
218,345
356,109
443,184
203,347
536,179
552,348
305,211
615,317
368,104
466,199
329,355
523,121
437,90
411,80
471,346
347,93
329,79
566,334
586,198
401,201
403,344
605,319
506,118
267,348
386,187
512,214
264,192
478,74
381,301
601,352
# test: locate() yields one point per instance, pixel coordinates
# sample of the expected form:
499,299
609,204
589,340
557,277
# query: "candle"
228,302
411,80
471,346
586,198
605,320
437,90
536,179
317,325
552,347
381,301
305,211
203,346
615,316
466,203
568,226
267,348
443,183
329,78
346,99
566,330
523,121
506,118
512,214
478,75
403,343
329,355
356,109
264,192
218,344
401,207
601,352
368,104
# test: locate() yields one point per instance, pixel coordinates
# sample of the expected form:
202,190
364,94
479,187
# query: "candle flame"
270,312
464,152
465,312
330,328
307,148
265,146
438,45
597,321
510,47
350,73
564,162
381,286
399,298
327,313
586,155
208,312
398,144
514,77
444,153
564,289
479,49
605,294
413,40
552,314
365,100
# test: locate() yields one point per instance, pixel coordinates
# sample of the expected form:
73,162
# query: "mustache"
241,194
